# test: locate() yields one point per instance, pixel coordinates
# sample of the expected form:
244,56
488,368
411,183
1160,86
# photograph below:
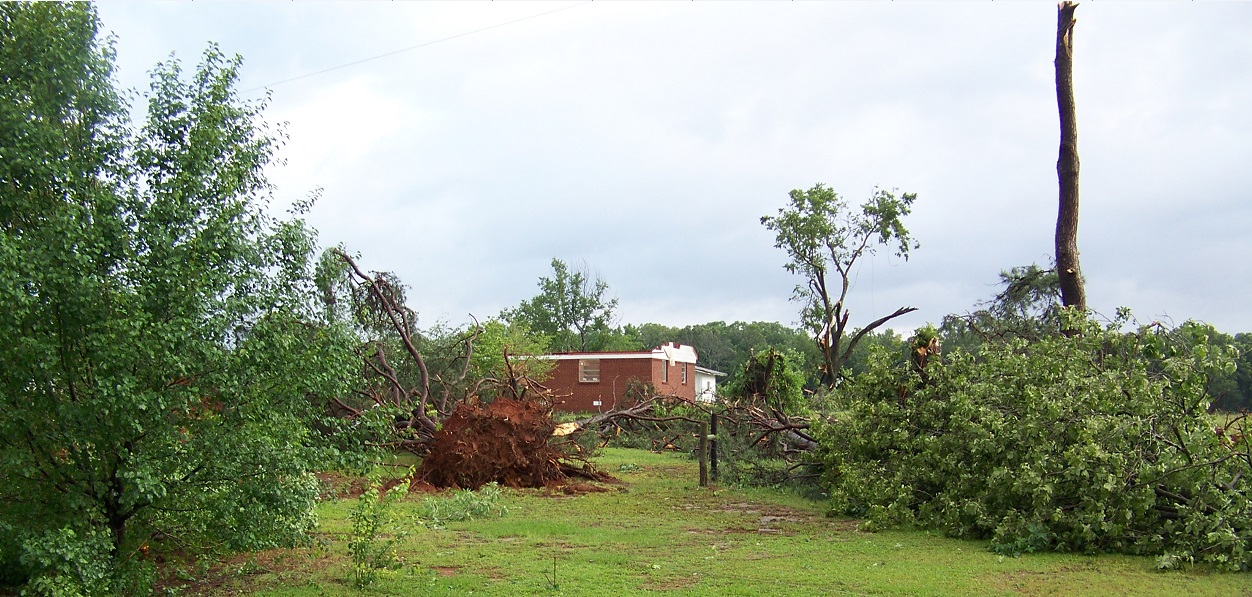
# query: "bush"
375,531
1097,442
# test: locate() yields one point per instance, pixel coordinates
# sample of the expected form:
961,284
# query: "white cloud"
608,130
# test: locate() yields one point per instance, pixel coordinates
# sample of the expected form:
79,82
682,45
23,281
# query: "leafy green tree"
1232,390
824,239
887,340
499,338
572,308
162,374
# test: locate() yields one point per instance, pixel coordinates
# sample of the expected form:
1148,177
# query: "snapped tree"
160,376
1073,294
821,233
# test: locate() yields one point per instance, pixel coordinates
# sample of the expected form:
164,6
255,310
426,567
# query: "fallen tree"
470,428
1100,441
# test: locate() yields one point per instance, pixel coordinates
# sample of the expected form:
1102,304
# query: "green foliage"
726,347
1028,307
769,378
1088,443
572,309
824,238
376,529
161,375
522,345
887,341
1232,392
68,564
464,504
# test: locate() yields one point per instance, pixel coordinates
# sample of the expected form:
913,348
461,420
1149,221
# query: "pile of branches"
1096,442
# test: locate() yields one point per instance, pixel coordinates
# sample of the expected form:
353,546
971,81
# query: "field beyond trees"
658,532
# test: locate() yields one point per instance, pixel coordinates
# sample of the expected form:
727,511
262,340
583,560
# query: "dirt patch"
181,574
1039,582
446,570
420,486
773,519
341,486
845,525
574,489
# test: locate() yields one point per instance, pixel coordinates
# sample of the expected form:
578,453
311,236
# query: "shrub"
375,531
1097,442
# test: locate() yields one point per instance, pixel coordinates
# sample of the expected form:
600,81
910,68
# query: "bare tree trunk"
1072,292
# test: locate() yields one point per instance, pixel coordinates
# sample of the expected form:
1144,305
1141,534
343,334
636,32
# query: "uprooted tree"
396,376
475,418
824,239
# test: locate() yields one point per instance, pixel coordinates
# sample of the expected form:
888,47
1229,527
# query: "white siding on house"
706,384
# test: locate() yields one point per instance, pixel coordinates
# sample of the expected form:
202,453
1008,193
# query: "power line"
421,45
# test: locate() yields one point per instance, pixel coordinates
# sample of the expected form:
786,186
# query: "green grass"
660,533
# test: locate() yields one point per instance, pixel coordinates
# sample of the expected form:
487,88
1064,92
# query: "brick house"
597,381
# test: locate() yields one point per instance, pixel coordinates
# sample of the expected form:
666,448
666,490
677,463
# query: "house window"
664,371
684,374
588,370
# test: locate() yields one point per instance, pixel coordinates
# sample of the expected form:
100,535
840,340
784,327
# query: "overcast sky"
646,140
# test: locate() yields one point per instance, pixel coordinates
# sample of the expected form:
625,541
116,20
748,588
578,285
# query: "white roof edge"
674,353
708,371
608,355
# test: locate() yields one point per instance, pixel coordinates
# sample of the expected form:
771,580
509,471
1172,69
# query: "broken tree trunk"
1073,293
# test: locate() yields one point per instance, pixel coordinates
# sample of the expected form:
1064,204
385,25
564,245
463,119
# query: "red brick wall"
675,386
615,374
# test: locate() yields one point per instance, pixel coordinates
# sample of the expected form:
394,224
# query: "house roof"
675,353
707,371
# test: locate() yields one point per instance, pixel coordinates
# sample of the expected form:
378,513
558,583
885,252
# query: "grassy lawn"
661,533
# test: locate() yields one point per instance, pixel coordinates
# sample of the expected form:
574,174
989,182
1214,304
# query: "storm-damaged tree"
160,370
572,308
417,377
1069,274
825,238
475,417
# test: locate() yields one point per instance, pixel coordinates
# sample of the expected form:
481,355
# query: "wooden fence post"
713,446
704,455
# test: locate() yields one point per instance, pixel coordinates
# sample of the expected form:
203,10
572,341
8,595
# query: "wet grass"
660,533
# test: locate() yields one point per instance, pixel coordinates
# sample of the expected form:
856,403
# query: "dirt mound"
505,441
